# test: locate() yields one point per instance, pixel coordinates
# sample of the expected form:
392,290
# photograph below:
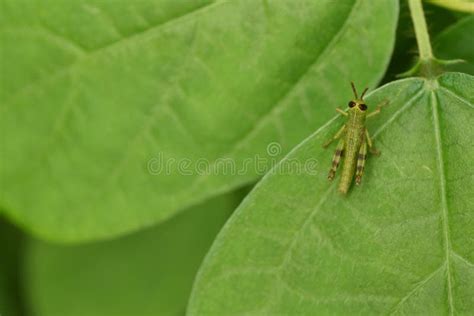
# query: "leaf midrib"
444,202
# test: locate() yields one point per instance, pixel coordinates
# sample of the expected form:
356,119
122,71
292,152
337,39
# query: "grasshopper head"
358,104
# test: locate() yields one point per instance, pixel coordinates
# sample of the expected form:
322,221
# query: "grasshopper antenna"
354,89
363,93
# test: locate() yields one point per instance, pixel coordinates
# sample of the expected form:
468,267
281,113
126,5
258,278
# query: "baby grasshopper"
354,139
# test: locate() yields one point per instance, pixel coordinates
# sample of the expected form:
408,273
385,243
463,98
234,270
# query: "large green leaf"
456,43
95,92
147,273
400,243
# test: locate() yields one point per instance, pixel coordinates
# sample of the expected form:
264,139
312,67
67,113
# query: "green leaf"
10,258
456,43
94,93
147,273
458,5
400,243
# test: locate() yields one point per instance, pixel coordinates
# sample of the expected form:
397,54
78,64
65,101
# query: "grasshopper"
354,139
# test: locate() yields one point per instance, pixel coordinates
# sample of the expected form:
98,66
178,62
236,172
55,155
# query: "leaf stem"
428,65
421,30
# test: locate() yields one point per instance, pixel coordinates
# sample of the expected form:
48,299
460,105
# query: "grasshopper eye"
351,104
363,107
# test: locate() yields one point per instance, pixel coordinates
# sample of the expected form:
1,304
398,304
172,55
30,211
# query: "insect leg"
336,136
336,159
375,112
342,112
361,162
371,146
377,109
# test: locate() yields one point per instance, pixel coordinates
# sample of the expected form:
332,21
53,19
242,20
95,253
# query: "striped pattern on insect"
354,140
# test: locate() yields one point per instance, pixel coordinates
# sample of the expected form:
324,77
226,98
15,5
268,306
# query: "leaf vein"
458,97
416,288
338,252
398,113
307,221
461,258
444,203
342,298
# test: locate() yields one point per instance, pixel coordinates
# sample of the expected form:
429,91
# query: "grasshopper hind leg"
336,159
361,163
372,149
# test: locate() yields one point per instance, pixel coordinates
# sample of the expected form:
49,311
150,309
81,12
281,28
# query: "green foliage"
456,43
458,5
147,273
94,90
398,243
10,260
